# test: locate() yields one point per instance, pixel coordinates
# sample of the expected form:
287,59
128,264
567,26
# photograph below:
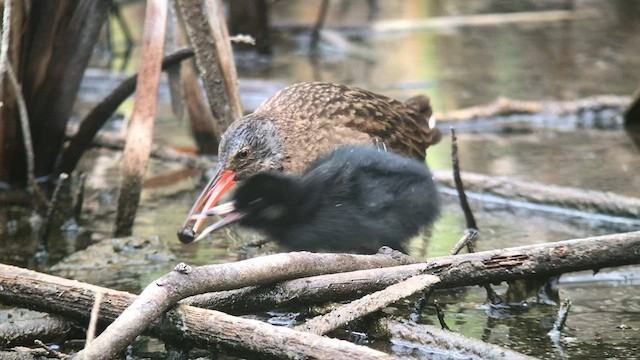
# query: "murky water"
593,53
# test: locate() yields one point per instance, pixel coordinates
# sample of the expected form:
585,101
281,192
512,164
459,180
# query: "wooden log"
342,286
24,332
186,281
68,298
506,107
189,325
305,291
459,270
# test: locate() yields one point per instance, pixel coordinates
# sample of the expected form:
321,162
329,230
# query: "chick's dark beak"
221,181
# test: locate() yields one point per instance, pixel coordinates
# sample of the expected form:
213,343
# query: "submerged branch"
459,346
542,193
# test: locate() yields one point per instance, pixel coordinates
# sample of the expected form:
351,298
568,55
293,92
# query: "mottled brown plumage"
303,121
314,118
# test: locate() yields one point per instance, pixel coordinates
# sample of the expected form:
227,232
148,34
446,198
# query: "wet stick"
140,130
472,227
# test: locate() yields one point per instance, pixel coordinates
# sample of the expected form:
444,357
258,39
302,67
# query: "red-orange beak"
221,181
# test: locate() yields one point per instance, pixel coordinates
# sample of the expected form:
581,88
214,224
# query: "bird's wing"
403,127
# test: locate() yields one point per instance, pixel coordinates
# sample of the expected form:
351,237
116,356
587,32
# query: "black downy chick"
356,199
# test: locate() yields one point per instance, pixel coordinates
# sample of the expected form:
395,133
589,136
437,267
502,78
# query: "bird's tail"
422,105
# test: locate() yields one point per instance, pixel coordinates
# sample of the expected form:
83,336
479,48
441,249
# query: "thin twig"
4,45
370,303
79,200
416,314
464,204
440,314
50,352
468,237
93,322
46,229
561,318
26,136
472,227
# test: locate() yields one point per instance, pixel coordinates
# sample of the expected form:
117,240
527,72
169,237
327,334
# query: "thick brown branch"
186,281
310,290
194,326
68,298
24,332
202,34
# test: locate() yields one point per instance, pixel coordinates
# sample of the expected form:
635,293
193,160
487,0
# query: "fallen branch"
505,107
186,281
192,326
359,308
409,334
309,290
24,332
29,289
581,199
111,140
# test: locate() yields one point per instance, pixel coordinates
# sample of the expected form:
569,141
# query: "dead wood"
186,281
466,269
68,298
24,332
140,129
505,106
404,332
561,317
204,28
459,185
305,291
541,193
368,304
189,325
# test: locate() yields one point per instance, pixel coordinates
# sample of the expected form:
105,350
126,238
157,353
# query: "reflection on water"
467,65
584,158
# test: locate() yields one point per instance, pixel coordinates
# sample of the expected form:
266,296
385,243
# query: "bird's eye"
243,154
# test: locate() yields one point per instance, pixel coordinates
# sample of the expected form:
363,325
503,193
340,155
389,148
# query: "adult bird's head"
247,147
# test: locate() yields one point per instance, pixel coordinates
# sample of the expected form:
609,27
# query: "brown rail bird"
303,121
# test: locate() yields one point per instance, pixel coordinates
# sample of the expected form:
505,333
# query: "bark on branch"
69,298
